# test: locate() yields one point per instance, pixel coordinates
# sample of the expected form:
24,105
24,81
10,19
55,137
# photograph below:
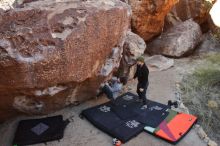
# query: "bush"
201,94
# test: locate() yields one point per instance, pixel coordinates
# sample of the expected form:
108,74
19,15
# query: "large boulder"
198,10
159,63
148,16
134,47
177,41
55,53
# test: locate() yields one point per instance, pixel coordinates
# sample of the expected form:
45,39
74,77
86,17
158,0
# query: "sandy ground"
82,133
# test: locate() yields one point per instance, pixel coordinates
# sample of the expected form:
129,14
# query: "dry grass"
201,94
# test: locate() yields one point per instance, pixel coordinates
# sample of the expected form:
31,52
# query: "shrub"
201,94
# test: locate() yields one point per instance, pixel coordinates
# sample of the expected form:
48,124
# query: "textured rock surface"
82,133
54,53
134,47
209,44
159,63
171,20
201,133
6,4
148,16
196,9
212,143
177,41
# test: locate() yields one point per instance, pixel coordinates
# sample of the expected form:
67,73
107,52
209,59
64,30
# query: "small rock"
129,88
201,133
212,143
183,108
206,139
197,126
212,104
177,84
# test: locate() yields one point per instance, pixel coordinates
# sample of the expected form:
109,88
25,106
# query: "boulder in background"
178,41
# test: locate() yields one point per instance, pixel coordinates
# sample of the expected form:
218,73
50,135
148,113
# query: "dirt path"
82,133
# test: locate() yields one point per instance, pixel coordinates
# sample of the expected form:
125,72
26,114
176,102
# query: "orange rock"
148,16
196,9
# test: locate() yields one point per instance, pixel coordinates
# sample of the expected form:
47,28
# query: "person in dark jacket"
141,74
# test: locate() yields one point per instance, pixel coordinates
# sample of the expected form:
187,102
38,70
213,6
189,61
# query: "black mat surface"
36,131
153,115
126,119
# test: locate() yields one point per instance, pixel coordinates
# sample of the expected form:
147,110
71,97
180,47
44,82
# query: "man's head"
140,60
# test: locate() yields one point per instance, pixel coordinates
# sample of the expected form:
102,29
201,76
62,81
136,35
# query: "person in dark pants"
141,74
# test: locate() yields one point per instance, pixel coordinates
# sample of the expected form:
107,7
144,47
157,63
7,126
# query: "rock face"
171,20
56,53
196,9
159,63
177,41
148,16
209,44
6,4
134,47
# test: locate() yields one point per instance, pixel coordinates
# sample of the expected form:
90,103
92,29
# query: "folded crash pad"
36,131
174,130
174,127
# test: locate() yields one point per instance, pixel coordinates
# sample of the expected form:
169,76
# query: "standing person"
141,74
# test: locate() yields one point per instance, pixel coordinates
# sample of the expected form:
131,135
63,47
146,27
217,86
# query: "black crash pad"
104,118
127,118
153,115
36,131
